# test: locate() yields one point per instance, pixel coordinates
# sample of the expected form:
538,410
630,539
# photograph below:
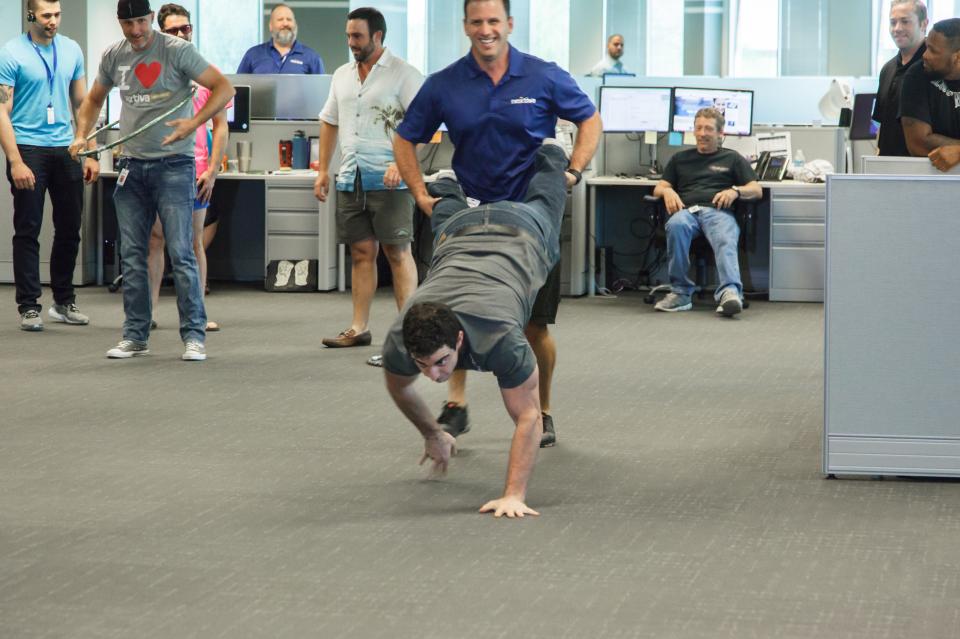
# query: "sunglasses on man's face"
185,29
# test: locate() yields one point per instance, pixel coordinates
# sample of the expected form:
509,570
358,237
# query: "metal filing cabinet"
301,228
797,233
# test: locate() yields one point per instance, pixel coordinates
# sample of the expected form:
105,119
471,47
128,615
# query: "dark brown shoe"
348,338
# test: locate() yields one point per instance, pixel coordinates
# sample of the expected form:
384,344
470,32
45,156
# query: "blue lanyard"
50,74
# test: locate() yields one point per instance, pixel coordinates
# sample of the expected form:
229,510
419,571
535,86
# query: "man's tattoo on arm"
4,94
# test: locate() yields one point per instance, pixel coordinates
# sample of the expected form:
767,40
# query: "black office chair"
701,253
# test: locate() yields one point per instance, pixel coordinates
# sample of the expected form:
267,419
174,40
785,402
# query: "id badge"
472,203
50,117
122,178
694,209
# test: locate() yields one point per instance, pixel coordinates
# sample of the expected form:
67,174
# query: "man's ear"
459,341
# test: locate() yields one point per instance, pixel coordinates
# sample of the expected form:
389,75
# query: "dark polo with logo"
496,129
698,177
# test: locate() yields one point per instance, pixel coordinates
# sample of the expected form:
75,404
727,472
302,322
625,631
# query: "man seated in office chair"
699,187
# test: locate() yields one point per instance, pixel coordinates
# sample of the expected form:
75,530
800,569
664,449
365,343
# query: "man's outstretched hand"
439,448
509,506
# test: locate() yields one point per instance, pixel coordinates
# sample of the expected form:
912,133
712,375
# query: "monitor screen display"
633,109
735,105
238,112
862,125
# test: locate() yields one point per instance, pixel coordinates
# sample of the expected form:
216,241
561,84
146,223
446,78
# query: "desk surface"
787,185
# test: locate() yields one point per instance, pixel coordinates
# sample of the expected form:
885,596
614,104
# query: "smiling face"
489,27
707,134
138,31
905,29
940,60
358,39
283,26
178,26
440,365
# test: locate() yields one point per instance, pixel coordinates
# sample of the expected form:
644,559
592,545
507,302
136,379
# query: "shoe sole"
335,345
466,429
675,309
32,329
63,319
548,444
127,355
731,308
194,358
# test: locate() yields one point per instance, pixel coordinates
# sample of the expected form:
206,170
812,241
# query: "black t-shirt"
936,102
698,177
886,111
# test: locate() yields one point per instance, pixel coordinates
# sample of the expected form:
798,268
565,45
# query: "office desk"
262,218
792,233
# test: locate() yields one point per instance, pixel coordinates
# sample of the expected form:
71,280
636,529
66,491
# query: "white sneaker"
674,303
730,302
194,351
126,349
68,314
31,321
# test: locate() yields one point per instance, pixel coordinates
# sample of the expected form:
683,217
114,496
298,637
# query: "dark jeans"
540,213
55,171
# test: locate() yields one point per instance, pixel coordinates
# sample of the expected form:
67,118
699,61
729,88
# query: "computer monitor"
736,105
863,126
238,113
113,108
634,109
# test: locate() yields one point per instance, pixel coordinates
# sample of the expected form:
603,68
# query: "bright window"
756,28
665,37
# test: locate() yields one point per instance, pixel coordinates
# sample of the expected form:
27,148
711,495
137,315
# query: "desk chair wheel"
115,285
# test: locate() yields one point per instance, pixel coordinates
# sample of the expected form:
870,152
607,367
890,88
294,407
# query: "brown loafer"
348,338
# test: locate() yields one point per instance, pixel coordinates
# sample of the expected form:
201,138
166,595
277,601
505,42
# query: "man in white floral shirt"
368,99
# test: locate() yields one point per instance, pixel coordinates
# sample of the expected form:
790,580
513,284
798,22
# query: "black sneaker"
549,437
454,419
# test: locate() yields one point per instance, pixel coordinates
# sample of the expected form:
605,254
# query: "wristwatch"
737,189
575,173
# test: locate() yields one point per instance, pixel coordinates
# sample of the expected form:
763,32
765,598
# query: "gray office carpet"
273,491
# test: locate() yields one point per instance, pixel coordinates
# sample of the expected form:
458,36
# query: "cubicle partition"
891,369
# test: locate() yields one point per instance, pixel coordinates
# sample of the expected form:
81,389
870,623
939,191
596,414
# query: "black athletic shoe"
454,419
549,437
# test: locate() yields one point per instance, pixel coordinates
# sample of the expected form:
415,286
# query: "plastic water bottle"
799,160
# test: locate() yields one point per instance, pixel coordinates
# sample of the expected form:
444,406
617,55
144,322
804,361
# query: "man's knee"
364,251
536,332
397,254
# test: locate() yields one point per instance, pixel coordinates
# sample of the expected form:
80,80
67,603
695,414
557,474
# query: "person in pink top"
174,20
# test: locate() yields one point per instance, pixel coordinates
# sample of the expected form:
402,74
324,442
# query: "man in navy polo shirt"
41,84
499,104
282,53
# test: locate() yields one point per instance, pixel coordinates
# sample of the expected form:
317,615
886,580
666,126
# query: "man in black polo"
908,28
930,98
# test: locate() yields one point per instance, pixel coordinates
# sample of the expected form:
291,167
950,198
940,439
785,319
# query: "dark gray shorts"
547,304
384,215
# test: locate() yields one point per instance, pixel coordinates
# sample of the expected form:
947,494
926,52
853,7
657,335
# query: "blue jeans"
721,230
166,188
540,213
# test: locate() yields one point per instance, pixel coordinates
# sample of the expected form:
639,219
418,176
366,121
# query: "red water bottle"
286,154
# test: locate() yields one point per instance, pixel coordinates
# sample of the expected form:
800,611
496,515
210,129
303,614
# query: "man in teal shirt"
41,84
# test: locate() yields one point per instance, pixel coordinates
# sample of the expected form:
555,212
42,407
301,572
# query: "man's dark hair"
429,326
33,5
375,21
168,10
466,3
714,114
950,29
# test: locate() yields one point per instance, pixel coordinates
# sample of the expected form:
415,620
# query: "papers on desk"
752,146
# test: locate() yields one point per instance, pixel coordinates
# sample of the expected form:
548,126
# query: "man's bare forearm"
523,454
221,134
411,404
588,137
405,155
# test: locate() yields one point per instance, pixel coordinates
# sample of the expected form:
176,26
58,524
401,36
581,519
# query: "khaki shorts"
384,215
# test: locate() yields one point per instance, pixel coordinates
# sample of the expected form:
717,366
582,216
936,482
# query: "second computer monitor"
735,105
634,109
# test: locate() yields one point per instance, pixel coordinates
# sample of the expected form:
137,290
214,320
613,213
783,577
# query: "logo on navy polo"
523,101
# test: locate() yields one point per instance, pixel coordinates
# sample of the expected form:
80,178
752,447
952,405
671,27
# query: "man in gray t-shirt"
154,73
470,313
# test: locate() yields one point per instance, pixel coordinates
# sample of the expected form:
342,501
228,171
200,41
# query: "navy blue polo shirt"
264,58
496,129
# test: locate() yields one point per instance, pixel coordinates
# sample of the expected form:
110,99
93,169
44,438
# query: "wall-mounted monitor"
735,105
634,109
238,113
863,126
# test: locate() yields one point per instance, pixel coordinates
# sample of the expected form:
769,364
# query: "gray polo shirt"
490,283
151,82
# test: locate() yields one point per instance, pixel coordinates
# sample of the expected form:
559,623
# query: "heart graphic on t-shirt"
148,73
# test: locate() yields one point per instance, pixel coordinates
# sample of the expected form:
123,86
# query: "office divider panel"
892,389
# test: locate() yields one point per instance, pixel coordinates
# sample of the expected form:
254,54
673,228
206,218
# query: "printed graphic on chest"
148,73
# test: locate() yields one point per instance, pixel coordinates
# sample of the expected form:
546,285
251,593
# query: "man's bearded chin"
284,36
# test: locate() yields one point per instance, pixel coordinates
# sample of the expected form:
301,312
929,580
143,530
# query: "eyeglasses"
185,29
